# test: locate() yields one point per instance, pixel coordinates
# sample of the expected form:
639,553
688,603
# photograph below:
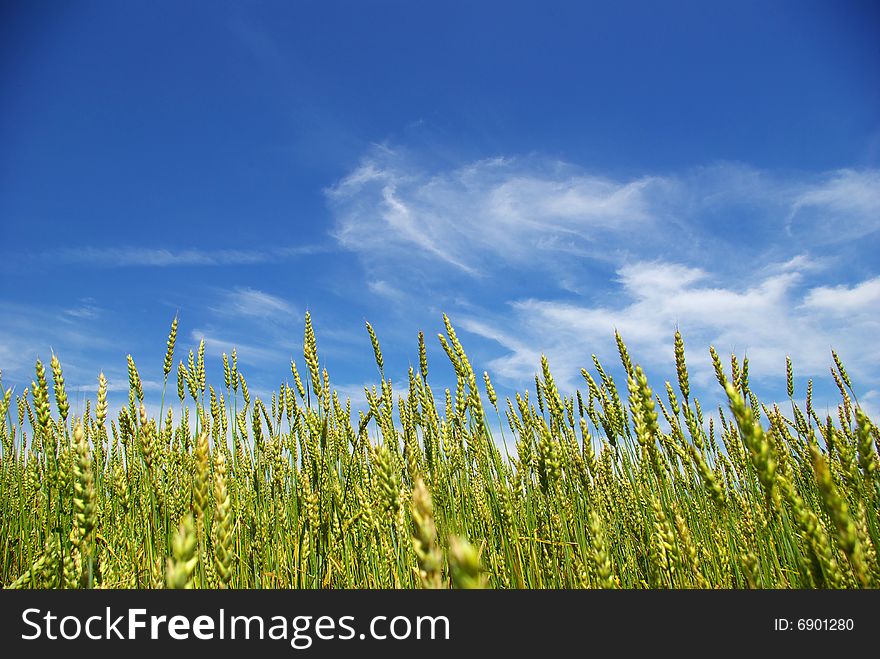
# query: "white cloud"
845,300
120,257
124,256
245,301
355,393
645,279
28,333
542,213
87,309
383,288
470,217
870,403
216,345
843,206
765,320
116,385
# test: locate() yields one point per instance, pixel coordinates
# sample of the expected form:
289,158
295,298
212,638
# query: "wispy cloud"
116,385
385,289
846,301
216,345
845,205
355,393
29,332
547,215
766,318
465,218
870,403
245,301
145,257
84,341
87,309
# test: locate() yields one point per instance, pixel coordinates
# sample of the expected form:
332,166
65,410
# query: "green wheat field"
621,485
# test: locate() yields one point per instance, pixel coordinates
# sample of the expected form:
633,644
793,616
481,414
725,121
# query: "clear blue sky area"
543,172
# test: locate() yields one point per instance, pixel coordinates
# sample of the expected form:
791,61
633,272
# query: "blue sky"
542,172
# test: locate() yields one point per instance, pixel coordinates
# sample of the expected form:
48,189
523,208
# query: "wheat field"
611,487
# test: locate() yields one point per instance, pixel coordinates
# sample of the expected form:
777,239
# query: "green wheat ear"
423,356
60,393
760,448
181,565
377,351
430,558
169,351
224,523
681,366
202,481
464,564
